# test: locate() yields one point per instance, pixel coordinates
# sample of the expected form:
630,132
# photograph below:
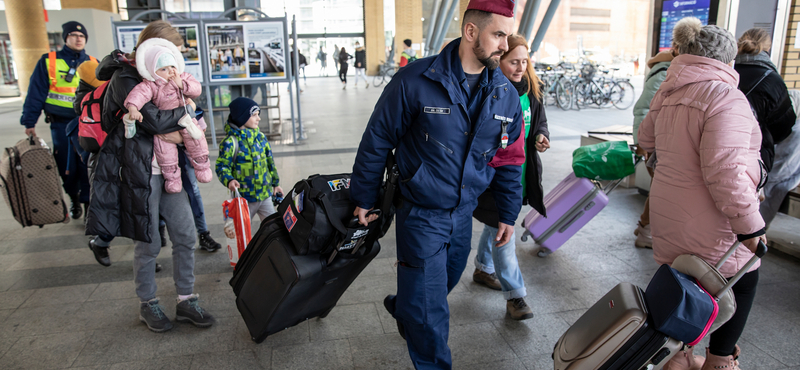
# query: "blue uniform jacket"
444,140
40,86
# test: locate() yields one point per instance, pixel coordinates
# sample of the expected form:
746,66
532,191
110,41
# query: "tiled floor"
60,309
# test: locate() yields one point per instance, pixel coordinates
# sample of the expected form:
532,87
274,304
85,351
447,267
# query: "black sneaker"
158,267
389,304
189,311
207,243
162,230
75,210
100,253
152,314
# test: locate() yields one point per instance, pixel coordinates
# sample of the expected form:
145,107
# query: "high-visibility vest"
62,93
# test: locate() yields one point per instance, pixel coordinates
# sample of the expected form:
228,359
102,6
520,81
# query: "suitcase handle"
760,252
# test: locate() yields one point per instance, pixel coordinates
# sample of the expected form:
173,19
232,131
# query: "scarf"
760,59
522,86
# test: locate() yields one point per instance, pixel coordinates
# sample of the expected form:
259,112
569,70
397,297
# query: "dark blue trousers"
70,167
433,246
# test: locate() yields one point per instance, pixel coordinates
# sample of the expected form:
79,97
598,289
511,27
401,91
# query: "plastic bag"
610,160
237,226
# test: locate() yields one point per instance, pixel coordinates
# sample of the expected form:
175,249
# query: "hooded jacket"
770,100
444,140
253,167
658,72
707,140
164,94
121,184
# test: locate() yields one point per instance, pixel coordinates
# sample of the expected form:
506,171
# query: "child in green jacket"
245,159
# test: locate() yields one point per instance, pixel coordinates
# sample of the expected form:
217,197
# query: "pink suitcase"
570,206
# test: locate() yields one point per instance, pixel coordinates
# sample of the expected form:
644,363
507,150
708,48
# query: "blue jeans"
193,191
505,258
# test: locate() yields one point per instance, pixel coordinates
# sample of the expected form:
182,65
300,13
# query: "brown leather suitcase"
30,183
615,334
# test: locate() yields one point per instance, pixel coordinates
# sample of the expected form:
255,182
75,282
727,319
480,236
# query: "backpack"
90,131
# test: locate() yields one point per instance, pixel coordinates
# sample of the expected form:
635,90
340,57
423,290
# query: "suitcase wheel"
544,252
524,238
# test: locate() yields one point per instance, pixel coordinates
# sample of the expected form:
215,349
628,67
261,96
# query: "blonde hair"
160,29
534,88
754,41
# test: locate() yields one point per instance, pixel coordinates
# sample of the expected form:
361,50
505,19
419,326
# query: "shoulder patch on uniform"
436,110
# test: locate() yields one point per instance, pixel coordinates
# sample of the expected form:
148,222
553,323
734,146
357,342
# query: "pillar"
105,5
28,34
408,25
374,36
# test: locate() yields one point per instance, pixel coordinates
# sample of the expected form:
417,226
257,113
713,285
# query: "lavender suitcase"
570,206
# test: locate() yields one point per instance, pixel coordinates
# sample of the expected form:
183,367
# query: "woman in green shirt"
517,67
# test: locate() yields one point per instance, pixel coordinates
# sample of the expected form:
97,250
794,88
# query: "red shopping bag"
237,226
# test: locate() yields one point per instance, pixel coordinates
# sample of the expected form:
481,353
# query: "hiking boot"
489,280
152,314
162,230
189,310
518,309
389,304
100,253
207,243
75,210
643,237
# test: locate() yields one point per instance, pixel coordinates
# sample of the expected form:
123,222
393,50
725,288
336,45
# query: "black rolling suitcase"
302,259
276,288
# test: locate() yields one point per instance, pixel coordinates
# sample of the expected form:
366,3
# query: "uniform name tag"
502,118
437,110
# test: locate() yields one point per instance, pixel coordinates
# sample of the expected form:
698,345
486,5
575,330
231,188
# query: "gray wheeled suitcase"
30,183
615,334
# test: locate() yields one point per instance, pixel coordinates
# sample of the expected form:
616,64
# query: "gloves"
187,123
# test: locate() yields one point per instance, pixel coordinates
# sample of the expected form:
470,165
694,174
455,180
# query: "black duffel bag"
318,213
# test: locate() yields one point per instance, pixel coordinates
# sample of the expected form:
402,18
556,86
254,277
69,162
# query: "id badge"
504,136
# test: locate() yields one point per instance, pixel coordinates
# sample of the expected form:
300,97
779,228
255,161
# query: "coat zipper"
437,142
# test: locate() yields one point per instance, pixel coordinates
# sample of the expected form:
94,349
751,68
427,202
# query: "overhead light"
423,19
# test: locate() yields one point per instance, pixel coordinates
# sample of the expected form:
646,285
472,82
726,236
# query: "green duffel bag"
610,160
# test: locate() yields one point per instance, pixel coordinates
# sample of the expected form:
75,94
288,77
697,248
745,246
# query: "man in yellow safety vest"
52,89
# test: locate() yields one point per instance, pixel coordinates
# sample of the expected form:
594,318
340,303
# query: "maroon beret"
501,7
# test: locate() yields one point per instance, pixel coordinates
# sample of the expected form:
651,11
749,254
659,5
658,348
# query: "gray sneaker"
152,314
189,311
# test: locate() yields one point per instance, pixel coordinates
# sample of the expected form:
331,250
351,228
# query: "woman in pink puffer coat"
704,193
155,57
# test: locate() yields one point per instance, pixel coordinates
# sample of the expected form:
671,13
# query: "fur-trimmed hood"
147,55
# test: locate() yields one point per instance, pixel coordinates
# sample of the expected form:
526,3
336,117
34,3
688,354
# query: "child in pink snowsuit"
166,84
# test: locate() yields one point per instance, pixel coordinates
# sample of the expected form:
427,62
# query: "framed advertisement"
249,52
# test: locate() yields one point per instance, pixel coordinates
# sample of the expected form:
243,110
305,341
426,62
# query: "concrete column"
408,25
105,5
374,37
462,7
28,34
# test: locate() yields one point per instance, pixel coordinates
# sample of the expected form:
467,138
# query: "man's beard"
485,59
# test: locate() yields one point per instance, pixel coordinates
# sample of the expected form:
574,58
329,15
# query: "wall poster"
246,50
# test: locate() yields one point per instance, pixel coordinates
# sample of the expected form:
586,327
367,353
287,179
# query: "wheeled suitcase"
276,288
30,182
570,206
615,334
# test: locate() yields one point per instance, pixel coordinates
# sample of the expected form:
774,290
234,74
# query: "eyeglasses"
76,34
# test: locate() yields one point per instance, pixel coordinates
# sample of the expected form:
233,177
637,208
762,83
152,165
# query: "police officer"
446,116
52,88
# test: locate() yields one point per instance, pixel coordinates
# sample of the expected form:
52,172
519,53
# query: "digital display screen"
673,11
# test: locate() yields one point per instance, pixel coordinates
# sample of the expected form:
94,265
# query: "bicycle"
385,73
